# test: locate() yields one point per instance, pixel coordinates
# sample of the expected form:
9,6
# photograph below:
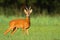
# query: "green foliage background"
45,22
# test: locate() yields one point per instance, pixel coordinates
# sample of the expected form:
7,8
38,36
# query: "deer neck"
28,19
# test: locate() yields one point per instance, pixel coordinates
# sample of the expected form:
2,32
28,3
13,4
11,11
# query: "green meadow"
42,28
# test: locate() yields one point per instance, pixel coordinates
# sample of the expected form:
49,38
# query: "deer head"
28,11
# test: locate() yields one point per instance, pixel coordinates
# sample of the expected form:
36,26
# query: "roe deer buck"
20,23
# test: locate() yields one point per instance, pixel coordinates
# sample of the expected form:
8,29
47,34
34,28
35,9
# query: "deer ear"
25,11
30,11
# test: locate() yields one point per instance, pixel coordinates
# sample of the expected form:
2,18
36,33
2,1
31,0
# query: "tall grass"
42,28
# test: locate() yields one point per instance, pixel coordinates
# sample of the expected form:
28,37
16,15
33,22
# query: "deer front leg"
25,31
7,30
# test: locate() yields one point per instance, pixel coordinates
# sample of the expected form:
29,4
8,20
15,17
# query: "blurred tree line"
15,7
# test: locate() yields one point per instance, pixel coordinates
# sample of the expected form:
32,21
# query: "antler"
28,10
29,7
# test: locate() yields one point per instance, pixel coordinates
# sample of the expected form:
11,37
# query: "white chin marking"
27,15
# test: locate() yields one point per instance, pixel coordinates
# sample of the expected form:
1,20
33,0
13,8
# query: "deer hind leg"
14,30
8,30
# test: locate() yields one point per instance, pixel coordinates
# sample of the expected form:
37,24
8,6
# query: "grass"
42,28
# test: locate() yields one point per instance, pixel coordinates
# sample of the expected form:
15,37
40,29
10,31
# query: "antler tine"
30,7
26,7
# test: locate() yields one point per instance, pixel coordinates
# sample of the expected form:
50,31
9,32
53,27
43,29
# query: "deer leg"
7,30
14,30
27,31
